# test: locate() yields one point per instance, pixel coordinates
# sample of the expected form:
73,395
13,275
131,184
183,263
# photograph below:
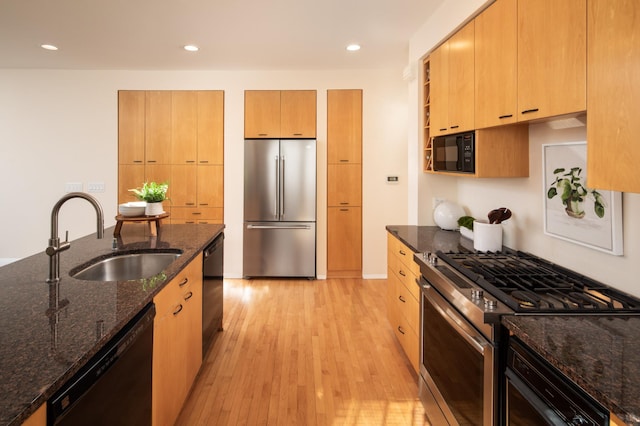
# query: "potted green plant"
573,193
154,194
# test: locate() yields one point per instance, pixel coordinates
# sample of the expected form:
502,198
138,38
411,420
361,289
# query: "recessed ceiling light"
191,48
49,46
353,47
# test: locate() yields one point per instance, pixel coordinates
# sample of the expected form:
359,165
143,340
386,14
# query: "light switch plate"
95,187
73,187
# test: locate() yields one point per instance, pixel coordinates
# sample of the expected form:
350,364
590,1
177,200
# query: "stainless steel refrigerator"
279,208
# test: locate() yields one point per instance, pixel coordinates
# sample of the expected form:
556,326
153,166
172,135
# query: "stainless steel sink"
129,266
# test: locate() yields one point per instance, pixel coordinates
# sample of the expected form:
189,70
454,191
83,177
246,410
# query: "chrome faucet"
55,247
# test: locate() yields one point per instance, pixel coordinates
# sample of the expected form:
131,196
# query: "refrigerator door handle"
276,211
278,227
282,187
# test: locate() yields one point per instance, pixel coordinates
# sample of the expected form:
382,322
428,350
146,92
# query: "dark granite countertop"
599,353
40,346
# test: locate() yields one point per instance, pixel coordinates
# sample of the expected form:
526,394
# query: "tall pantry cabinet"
177,137
344,183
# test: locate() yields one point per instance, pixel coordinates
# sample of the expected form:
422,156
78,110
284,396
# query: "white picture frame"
594,222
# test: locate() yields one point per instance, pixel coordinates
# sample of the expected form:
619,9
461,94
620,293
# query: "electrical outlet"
95,187
73,187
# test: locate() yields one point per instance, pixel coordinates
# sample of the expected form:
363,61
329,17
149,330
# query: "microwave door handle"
474,338
460,159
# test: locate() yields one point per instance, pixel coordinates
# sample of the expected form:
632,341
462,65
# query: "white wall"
59,126
524,196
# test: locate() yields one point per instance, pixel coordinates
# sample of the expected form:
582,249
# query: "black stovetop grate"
527,283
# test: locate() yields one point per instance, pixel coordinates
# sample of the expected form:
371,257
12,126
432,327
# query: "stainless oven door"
458,366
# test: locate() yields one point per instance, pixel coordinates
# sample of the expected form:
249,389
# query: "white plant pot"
487,236
153,209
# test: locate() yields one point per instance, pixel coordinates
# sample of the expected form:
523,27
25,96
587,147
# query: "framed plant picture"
572,211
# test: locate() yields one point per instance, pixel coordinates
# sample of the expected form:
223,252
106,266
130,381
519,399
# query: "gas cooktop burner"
527,283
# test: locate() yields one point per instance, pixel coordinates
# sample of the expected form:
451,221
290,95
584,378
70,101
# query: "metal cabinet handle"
528,111
402,252
400,330
402,299
505,116
401,272
455,127
178,310
183,282
188,295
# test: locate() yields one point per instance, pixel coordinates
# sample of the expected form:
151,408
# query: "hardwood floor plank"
300,352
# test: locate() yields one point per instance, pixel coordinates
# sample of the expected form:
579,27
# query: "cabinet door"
184,127
298,114
344,185
551,57
262,114
461,77
192,300
613,151
131,107
210,185
183,185
344,126
129,176
158,127
344,239
496,58
440,90
211,127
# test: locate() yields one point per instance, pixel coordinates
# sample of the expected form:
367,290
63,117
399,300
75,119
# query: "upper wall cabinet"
552,46
496,56
280,114
613,87
344,126
452,84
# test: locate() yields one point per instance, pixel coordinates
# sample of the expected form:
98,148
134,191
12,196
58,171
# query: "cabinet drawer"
408,307
196,214
408,340
403,253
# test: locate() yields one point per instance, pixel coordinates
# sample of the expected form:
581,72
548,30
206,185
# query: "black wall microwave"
455,153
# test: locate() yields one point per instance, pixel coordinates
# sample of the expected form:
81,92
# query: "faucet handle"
66,236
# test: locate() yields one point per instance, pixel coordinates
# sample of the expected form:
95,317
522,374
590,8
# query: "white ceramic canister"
487,236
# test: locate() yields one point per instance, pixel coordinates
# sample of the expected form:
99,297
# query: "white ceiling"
231,34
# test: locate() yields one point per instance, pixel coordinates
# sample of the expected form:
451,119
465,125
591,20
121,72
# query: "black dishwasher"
114,387
212,291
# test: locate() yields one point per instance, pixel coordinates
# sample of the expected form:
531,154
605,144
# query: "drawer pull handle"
402,252
183,282
402,299
401,272
454,127
178,310
400,330
204,161
188,295
137,161
297,134
528,111
505,116
151,161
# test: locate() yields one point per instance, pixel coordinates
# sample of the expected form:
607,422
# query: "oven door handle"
470,334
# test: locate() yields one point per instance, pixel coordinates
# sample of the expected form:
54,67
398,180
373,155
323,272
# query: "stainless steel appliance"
212,291
538,394
114,388
279,208
464,347
455,153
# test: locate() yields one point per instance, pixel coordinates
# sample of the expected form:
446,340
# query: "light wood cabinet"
197,215
183,144
344,183
496,71
551,57
344,242
403,298
177,342
38,418
452,83
158,127
344,126
613,87
131,126
279,114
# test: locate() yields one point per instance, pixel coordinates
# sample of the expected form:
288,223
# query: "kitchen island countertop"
48,331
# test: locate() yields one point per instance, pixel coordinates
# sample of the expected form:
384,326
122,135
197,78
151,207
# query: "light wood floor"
299,352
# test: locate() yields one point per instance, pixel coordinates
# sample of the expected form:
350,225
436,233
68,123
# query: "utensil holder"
487,236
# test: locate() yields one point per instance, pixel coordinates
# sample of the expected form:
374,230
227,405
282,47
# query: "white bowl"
134,208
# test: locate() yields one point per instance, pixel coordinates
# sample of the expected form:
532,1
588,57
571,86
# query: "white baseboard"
374,276
7,260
